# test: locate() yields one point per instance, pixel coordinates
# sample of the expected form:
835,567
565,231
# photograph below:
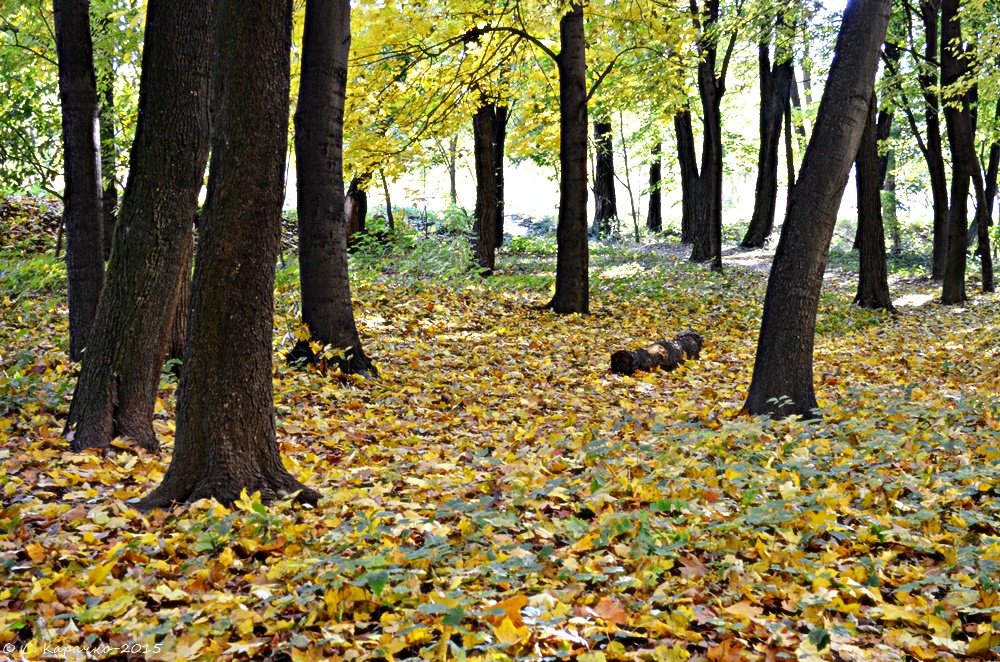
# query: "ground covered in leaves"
499,495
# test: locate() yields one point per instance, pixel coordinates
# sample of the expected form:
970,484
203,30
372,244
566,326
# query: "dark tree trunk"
663,354
789,156
654,219
390,222
775,88
327,309
109,156
707,244
573,256
116,392
484,132
873,280
958,119
356,206
499,147
605,201
992,168
225,439
688,162
782,381
82,152
180,303
889,197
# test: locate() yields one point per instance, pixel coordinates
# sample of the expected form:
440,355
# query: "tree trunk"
689,174
782,382
327,309
484,132
356,206
663,354
789,157
889,202
82,153
775,87
499,147
225,439
109,155
605,201
654,219
873,280
963,156
116,391
181,301
390,222
572,258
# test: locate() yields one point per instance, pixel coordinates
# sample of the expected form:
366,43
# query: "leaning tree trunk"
873,279
225,440
958,120
327,309
573,257
484,241
654,218
499,147
82,175
782,381
116,392
689,174
605,201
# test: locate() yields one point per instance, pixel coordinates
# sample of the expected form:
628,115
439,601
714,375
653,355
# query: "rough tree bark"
775,95
654,218
225,438
484,231
873,279
605,200
958,119
116,391
782,381
82,174
934,153
356,206
109,155
688,162
573,257
327,309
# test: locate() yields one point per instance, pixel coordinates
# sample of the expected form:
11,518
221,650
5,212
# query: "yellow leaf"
508,633
35,551
894,613
674,654
511,611
744,609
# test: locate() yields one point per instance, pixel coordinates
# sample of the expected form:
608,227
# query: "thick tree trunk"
327,309
109,157
664,354
356,206
484,132
82,175
688,161
782,381
225,439
181,302
654,219
605,200
873,280
116,391
499,147
775,87
958,119
573,257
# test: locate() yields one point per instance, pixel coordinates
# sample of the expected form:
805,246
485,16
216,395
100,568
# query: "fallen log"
664,354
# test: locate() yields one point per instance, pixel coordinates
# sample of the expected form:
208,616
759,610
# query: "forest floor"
498,494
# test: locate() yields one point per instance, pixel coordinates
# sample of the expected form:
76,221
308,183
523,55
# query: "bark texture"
654,218
327,309
782,382
688,162
775,95
356,206
225,438
664,354
484,230
873,279
573,257
934,149
499,147
82,174
116,391
605,200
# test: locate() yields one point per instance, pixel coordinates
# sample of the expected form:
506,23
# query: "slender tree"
782,381
319,135
499,148
225,439
484,232
605,200
116,392
688,162
873,280
82,174
654,218
573,258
